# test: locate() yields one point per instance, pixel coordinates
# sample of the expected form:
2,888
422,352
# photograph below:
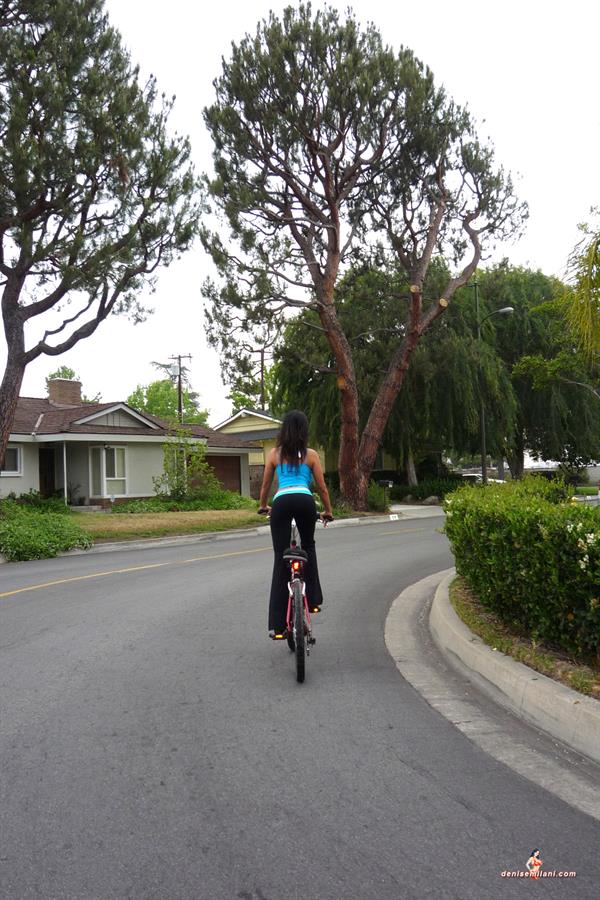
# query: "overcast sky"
527,70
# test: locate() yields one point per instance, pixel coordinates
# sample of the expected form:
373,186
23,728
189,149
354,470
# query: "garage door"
227,470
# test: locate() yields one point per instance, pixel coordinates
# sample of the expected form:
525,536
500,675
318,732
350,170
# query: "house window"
114,461
108,472
12,461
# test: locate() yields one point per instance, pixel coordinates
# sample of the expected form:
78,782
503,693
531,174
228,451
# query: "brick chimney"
64,392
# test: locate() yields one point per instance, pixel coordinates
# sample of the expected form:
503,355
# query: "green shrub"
532,560
218,498
437,487
29,533
377,497
34,500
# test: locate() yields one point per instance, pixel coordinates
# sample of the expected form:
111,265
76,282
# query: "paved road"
155,745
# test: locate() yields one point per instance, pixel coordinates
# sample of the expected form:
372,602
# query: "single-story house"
95,453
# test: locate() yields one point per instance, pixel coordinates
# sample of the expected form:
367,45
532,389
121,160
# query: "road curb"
566,715
254,531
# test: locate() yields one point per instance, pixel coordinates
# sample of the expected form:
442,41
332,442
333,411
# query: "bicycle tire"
299,635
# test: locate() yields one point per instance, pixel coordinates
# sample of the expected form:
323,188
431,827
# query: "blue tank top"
293,479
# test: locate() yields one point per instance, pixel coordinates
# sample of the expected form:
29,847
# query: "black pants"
300,507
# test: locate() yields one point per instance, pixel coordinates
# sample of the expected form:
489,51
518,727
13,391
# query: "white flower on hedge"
591,538
583,563
581,544
570,527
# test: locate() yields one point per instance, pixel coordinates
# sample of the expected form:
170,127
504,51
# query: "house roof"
246,411
38,416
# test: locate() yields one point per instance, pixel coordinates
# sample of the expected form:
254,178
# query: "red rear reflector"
295,566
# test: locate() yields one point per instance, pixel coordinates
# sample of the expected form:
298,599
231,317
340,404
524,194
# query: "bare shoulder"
312,457
273,456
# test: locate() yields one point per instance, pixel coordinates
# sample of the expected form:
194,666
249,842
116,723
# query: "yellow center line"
404,531
182,562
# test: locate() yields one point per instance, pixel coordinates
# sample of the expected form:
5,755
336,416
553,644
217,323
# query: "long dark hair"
292,440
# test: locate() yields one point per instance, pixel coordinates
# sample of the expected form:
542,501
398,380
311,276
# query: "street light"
506,310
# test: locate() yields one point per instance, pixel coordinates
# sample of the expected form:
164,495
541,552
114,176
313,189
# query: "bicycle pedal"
312,640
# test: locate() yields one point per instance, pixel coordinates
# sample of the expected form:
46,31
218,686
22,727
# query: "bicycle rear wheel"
299,635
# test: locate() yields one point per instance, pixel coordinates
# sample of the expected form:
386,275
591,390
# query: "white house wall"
29,479
120,419
142,463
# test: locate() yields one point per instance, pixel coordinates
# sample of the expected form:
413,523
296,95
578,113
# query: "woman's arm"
267,481
317,470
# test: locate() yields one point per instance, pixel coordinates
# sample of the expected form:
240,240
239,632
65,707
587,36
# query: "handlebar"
325,518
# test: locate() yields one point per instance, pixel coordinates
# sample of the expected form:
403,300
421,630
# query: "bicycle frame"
289,618
298,621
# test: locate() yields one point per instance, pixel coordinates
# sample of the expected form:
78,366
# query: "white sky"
528,71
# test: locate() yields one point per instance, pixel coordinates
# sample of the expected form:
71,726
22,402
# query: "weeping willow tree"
583,300
437,408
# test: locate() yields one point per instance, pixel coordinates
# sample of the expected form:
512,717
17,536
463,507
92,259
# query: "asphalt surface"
155,744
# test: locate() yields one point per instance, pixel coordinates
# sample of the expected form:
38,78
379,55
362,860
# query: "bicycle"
298,622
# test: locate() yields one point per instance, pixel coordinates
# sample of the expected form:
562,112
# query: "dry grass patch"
580,675
106,527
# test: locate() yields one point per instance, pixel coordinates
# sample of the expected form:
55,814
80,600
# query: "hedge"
29,533
531,558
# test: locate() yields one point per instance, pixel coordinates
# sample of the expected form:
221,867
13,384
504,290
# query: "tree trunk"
386,396
411,472
15,363
516,459
9,395
351,486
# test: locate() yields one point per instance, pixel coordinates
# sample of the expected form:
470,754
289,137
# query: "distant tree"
325,140
160,398
94,195
66,372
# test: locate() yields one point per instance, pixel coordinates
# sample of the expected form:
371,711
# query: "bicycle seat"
295,553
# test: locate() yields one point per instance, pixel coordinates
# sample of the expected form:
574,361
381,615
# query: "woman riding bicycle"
296,466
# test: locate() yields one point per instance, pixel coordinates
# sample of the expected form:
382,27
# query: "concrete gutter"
567,715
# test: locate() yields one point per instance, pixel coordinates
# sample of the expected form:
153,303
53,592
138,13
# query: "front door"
47,482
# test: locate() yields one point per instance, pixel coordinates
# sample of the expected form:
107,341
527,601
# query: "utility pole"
179,357
506,310
481,400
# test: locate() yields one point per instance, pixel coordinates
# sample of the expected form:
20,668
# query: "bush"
437,487
30,533
214,499
34,500
377,497
531,559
